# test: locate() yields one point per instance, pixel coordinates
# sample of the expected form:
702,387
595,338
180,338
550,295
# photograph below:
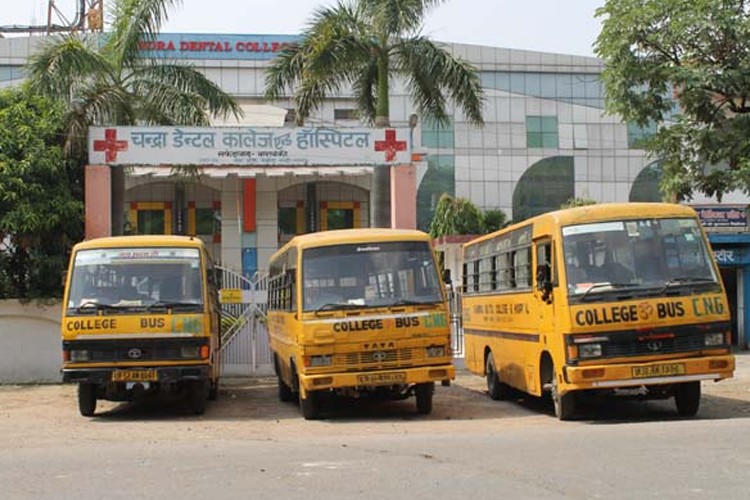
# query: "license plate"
134,376
381,378
658,370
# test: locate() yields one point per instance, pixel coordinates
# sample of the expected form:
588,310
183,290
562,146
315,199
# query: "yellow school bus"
358,312
620,298
141,317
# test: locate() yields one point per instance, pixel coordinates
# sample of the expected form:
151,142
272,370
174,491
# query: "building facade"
546,139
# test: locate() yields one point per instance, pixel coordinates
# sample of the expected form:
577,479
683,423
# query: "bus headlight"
79,355
592,350
713,339
435,351
190,351
322,360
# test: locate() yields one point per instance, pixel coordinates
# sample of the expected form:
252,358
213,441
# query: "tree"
456,216
578,202
685,62
41,212
106,81
494,220
362,44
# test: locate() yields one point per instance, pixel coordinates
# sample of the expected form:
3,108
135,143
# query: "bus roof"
601,212
344,236
146,240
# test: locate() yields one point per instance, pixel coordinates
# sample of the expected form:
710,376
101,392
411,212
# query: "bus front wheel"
687,397
424,394
197,396
310,405
87,399
564,404
497,390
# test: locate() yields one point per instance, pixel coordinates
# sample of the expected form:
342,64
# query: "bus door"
545,278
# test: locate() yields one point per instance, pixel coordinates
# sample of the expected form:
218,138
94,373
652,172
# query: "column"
403,196
98,201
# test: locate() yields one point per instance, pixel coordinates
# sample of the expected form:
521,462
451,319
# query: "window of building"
345,114
291,116
637,135
435,135
541,132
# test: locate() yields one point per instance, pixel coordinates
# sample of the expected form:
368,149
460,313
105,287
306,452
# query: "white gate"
244,339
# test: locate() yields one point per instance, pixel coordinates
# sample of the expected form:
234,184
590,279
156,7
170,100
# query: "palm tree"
105,81
362,44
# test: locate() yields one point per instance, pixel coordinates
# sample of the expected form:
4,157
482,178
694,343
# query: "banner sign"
206,46
722,216
248,146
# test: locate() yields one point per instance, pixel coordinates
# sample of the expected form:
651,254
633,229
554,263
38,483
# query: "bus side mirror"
544,280
447,277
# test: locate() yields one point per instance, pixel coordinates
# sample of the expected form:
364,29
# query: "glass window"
637,134
150,221
435,135
206,221
645,254
288,220
369,275
127,279
542,132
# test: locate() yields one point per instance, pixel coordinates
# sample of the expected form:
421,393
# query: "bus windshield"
114,279
634,253
369,275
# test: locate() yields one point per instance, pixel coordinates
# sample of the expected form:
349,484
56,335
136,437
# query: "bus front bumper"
673,371
157,374
395,376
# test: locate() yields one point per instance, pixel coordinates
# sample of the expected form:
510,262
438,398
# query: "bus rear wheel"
424,394
87,399
497,390
687,397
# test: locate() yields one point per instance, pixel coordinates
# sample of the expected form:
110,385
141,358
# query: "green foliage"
578,202
41,208
110,83
456,216
361,44
686,62
494,220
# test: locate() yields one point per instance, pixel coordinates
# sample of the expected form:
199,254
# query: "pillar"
403,196
98,201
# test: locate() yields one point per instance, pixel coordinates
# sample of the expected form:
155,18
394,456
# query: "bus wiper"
332,306
684,280
92,305
605,284
165,304
405,302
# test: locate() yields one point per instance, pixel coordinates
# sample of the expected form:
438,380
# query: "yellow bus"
361,313
620,298
141,317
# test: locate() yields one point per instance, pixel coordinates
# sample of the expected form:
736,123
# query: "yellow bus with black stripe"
624,299
361,313
141,317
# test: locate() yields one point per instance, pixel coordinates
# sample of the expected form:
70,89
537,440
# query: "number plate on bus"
134,376
381,378
659,370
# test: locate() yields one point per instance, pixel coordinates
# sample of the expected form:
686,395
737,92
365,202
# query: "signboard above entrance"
207,46
248,146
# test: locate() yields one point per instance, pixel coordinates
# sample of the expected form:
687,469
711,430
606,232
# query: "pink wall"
404,196
98,200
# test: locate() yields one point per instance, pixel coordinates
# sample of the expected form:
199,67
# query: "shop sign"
722,216
248,146
207,46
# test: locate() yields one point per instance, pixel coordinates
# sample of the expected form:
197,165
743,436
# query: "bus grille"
680,343
391,356
133,350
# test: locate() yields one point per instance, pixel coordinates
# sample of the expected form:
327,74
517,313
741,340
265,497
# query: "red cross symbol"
110,145
390,145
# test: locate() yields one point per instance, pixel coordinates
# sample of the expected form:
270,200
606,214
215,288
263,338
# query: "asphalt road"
250,446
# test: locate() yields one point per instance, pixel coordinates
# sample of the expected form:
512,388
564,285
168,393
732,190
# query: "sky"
560,26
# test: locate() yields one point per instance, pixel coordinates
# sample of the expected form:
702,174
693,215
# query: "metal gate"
244,339
457,331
